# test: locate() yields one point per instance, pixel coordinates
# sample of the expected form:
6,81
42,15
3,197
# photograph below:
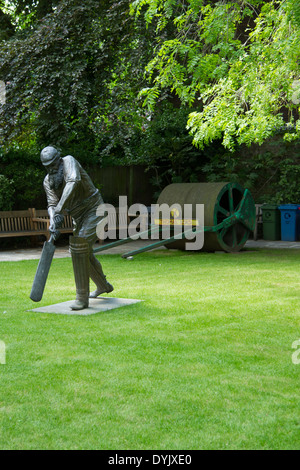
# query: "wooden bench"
31,222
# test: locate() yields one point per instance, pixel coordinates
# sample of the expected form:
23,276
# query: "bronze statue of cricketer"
68,187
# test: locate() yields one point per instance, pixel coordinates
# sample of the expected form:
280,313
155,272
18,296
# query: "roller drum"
220,201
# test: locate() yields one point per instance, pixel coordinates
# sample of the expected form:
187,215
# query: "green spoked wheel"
221,201
234,237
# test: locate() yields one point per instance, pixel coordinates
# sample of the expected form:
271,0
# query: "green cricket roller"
229,217
229,213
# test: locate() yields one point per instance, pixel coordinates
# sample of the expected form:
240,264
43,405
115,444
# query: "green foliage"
157,140
288,189
66,71
166,147
118,125
74,74
294,10
6,193
6,26
240,59
269,171
23,169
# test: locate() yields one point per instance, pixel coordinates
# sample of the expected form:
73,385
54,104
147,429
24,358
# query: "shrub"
6,193
22,167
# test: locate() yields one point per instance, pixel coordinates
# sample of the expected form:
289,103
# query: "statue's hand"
54,232
58,220
53,229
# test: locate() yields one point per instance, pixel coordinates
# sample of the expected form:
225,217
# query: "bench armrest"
40,219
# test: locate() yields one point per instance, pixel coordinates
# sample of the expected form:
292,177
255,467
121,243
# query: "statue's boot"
79,249
98,277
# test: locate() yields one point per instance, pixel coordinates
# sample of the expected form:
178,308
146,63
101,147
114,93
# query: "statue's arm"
52,200
56,221
67,193
51,212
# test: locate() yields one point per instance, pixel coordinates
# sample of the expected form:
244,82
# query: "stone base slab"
98,305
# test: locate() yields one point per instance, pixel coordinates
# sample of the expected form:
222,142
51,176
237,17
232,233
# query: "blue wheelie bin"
290,222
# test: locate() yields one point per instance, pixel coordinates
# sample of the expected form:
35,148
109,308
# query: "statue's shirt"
83,193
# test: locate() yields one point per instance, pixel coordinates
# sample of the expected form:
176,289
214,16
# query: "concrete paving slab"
31,253
63,252
272,244
98,305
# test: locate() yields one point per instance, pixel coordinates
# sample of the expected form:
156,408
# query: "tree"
239,60
70,66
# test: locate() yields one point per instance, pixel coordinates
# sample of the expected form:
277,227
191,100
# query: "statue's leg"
79,249
86,229
98,277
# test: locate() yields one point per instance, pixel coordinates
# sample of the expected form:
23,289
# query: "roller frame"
242,215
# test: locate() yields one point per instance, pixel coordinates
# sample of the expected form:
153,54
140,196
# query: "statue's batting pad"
98,305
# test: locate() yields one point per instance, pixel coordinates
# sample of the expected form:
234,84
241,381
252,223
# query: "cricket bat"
42,271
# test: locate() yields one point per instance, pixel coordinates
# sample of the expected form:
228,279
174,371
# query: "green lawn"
205,362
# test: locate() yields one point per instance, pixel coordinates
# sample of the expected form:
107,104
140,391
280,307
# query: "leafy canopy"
239,60
72,69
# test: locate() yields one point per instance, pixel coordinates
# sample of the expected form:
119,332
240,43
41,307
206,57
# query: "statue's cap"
49,154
